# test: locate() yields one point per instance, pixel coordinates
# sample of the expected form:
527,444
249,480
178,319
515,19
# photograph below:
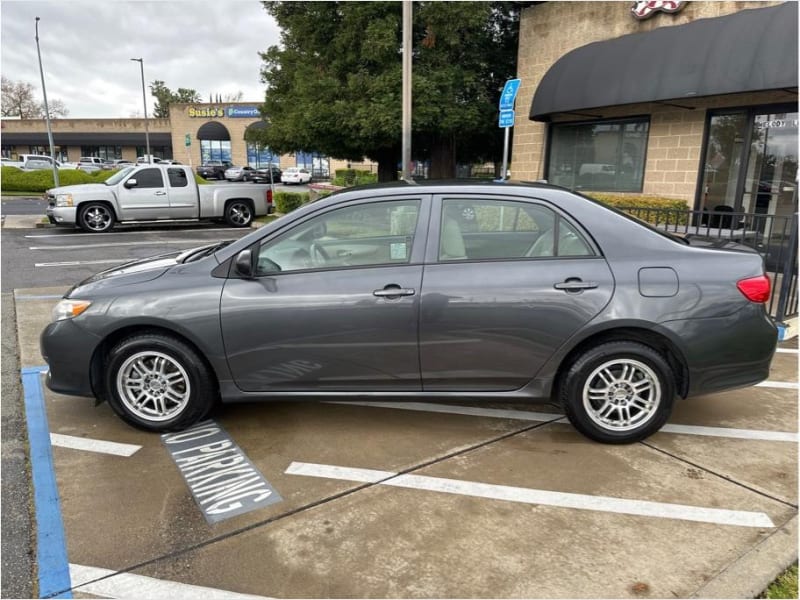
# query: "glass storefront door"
751,162
771,173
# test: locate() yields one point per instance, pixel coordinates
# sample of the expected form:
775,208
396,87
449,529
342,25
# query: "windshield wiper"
199,253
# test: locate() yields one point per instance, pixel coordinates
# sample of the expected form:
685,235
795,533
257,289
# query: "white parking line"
784,385
786,350
644,508
120,244
521,415
76,263
71,235
90,445
128,585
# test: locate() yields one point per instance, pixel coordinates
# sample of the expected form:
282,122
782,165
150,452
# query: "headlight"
63,199
67,309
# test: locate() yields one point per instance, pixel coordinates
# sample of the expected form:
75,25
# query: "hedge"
286,202
13,179
653,209
351,177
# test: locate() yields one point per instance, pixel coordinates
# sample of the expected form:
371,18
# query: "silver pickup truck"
148,193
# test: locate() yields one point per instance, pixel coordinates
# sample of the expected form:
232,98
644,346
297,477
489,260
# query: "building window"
157,151
318,164
60,152
9,151
607,155
104,152
260,156
215,150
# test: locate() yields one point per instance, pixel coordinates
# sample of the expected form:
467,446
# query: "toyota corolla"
443,291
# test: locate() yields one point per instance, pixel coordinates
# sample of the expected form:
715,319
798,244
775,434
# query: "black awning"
752,50
213,131
60,138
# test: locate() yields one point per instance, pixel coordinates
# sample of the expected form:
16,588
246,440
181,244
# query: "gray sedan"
450,292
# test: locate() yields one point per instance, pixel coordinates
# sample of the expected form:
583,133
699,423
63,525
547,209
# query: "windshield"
116,178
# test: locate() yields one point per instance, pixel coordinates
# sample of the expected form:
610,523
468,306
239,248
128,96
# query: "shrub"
286,202
653,209
17,180
351,177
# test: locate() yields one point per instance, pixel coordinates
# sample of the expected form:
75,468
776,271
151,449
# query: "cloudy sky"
86,46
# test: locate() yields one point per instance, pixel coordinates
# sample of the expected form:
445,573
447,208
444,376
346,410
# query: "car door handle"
574,284
161,193
394,291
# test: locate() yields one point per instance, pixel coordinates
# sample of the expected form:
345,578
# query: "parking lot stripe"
76,263
784,385
786,350
51,549
120,244
66,235
90,445
111,584
644,508
521,415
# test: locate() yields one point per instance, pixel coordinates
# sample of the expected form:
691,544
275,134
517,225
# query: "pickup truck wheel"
96,218
238,214
158,383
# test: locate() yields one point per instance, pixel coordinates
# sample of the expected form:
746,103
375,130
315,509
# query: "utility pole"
407,52
144,101
47,111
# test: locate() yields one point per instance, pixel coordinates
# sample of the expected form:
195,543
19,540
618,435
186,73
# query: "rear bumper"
727,352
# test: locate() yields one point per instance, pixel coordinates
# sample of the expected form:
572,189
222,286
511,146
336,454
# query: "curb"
751,573
787,330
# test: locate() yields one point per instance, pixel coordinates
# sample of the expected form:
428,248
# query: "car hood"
81,187
137,271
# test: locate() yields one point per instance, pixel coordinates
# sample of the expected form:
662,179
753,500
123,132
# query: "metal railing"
774,237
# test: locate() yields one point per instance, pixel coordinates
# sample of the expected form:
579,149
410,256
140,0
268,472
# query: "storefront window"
260,156
599,156
104,152
60,152
318,164
157,151
215,150
724,150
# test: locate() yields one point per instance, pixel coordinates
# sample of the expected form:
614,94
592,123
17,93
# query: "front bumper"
68,349
62,215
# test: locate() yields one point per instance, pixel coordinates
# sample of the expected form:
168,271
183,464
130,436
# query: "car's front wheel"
618,392
96,217
158,383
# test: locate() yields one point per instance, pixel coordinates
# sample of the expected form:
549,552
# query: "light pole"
406,95
47,111
144,101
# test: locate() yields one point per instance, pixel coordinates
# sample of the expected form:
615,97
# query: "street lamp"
144,101
47,111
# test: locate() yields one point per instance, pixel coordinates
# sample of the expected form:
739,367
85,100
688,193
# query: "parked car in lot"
238,173
169,161
262,174
149,193
214,169
147,159
120,163
296,175
539,294
10,162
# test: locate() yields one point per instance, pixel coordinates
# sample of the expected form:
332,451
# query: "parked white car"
296,175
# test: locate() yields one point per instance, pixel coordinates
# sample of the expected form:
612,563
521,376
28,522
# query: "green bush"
653,209
17,180
286,202
351,177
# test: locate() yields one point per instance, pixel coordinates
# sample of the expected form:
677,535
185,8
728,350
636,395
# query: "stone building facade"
675,137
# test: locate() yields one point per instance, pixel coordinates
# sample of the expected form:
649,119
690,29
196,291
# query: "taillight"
269,196
755,289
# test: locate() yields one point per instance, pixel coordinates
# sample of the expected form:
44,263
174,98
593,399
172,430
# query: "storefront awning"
60,138
752,50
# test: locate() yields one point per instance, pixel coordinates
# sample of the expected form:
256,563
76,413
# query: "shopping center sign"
219,112
644,10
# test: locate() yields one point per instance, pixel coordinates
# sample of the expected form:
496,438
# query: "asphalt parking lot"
407,500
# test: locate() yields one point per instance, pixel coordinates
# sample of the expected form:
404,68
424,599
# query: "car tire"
96,217
239,213
158,383
618,392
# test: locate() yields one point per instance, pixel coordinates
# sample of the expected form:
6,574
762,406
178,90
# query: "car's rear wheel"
96,217
618,392
158,383
239,213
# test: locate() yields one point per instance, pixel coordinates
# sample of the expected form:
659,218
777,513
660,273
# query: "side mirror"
244,264
131,183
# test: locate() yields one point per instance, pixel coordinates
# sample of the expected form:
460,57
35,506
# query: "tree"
165,96
334,85
18,100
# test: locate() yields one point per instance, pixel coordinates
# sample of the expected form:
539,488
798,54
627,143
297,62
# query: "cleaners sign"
223,481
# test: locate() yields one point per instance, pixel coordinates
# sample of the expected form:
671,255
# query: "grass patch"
268,218
785,586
